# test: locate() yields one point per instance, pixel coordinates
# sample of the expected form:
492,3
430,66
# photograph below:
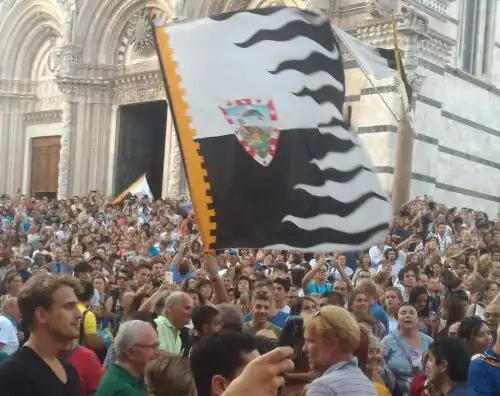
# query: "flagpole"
369,79
124,193
403,157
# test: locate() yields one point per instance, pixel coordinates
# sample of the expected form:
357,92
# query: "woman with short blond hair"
169,375
331,336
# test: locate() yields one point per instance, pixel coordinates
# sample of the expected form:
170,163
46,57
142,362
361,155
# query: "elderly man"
9,337
136,345
331,337
177,314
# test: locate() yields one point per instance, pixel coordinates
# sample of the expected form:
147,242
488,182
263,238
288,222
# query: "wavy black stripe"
256,11
324,94
301,239
313,206
321,34
314,63
318,144
333,122
339,176
307,239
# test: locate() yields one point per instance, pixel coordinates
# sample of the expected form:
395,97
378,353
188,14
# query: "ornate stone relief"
43,117
139,32
142,87
437,6
438,48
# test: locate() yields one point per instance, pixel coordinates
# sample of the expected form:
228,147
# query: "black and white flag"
257,98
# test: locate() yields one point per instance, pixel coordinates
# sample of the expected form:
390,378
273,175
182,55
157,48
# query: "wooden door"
45,166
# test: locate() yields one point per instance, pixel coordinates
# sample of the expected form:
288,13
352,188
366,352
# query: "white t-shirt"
8,336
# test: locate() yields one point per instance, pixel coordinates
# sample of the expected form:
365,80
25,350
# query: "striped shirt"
342,379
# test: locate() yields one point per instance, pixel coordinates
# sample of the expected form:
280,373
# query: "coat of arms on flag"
252,121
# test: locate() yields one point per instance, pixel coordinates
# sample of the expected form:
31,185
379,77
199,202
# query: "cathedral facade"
83,105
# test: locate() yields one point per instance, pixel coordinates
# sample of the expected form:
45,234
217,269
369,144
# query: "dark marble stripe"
352,98
431,66
429,101
377,129
442,186
377,90
394,128
470,123
469,157
497,44
350,64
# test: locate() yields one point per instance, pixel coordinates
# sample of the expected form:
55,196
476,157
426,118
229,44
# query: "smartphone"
169,277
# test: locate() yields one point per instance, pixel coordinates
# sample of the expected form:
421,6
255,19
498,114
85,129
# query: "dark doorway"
141,145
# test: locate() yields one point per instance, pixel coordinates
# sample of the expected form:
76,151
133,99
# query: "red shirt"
88,367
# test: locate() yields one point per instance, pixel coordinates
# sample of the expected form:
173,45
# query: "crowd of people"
121,300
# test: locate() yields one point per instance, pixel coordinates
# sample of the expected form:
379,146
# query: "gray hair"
174,298
230,316
128,334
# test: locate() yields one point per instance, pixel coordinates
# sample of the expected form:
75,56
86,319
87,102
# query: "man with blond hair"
331,337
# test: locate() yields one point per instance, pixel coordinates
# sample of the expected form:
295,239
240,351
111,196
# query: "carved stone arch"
40,69
26,25
108,28
30,47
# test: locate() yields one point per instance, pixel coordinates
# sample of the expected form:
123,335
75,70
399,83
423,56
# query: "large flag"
139,188
379,64
257,99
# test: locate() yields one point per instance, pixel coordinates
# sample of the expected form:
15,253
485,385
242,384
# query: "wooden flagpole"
403,157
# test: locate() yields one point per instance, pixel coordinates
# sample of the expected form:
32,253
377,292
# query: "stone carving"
139,32
413,19
346,55
321,5
174,179
65,156
43,117
140,94
54,61
438,6
415,80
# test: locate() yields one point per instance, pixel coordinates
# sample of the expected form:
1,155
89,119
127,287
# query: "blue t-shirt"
178,278
278,319
313,288
402,359
154,251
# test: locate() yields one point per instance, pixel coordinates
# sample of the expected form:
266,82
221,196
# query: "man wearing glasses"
136,345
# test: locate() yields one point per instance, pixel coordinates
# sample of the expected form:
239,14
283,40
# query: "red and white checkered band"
226,114
272,111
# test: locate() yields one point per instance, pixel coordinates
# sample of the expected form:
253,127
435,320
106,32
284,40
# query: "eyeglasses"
156,345
122,278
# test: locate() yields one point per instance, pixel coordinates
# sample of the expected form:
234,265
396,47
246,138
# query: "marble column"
174,179
4,144
169,136
112,153
63,189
